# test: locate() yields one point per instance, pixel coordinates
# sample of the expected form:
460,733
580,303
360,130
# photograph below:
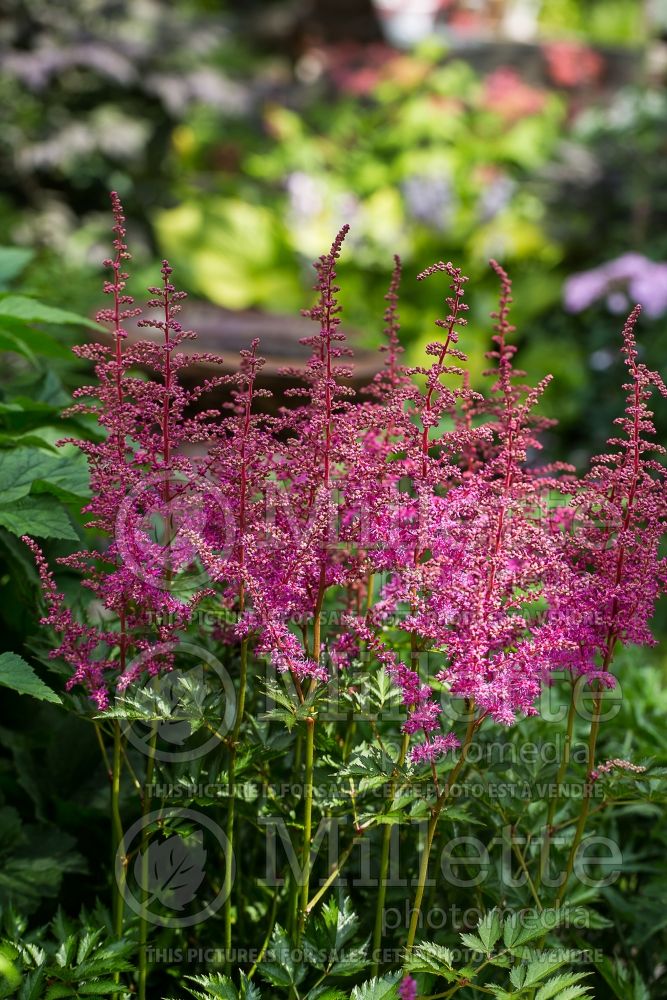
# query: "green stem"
292,905
591,812
586,799
103,749
423,875
518,853
117,828
565,761
431,829
292,899
307,825
585,807
310,752
560,777
339,867
269,932
384,864
145,810
231,786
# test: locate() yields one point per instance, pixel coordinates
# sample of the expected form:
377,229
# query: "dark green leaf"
18,675
38,516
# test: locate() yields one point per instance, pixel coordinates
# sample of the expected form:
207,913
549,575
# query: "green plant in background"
431,156
193,106
42,489
601,22
41,485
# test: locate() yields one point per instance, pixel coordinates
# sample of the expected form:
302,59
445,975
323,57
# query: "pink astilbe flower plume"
417,514
482,557
619,522
616,764
136,473
320,469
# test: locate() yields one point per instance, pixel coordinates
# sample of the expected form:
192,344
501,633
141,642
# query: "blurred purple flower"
644,281
408,988
37,67
429,200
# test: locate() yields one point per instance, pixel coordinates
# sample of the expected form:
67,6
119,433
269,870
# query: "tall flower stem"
231,807
612,634
249,368
117,828
560,777
437,808
384,864
307,825
586,799
585,803
145,810
309,755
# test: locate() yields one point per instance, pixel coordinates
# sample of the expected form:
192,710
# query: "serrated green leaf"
216,986
19,469
280,969
472,941
18,675
39,517
32,311
67,478
429,957
539,968
554,986
60,990
88,941
517,975
521,928
573,992
328,934
490,928
31,987
100,988
385,988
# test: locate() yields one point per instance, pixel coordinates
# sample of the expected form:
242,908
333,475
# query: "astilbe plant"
137,473
417,516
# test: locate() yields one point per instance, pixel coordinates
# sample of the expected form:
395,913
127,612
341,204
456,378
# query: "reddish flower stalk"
430,412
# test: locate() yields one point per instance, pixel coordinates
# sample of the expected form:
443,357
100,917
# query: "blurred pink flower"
571,64
511,97
408,988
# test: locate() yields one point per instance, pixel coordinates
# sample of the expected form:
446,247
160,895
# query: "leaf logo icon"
170,871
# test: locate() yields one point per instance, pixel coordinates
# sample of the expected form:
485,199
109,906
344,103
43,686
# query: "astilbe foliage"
418,513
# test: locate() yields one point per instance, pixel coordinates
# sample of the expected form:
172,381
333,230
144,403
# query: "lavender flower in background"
429,200
306,196
494,197
626,279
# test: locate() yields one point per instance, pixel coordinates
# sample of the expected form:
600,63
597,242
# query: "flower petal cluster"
411,528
